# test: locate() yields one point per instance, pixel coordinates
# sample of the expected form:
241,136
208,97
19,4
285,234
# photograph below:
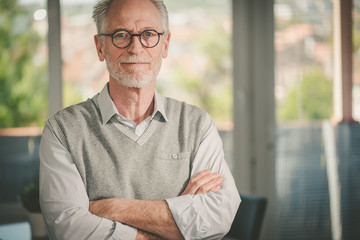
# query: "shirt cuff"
179,208
123,232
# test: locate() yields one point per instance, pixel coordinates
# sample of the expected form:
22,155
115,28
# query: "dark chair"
248,219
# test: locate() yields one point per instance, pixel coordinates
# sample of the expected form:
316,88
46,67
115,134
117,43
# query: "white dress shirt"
202,216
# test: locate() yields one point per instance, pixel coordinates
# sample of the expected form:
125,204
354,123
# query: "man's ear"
166,45
99,48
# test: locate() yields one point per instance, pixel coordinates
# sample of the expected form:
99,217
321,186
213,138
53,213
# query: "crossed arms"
203,211
153,217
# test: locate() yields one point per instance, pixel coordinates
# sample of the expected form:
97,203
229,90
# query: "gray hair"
101,9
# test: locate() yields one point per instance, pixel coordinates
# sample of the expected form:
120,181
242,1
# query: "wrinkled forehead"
132,15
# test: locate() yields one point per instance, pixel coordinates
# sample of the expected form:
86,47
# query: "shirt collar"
160,105
108,108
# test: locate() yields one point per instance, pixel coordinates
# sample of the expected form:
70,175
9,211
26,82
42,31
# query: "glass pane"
303,78
23,61
303,43
317,163
23,100
199,68
83,74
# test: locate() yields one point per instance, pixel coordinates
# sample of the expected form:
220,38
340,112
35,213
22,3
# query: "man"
130,163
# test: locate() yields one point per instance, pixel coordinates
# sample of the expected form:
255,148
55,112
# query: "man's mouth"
134,63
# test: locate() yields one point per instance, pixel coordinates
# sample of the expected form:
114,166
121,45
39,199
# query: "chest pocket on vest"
172,172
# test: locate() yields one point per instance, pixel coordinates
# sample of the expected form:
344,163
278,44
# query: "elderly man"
130,163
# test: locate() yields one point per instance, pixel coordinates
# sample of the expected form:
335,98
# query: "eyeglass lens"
149,38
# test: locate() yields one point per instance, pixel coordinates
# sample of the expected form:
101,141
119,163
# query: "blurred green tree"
310,99
211,89
23,84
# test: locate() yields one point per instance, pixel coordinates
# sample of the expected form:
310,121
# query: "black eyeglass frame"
131,37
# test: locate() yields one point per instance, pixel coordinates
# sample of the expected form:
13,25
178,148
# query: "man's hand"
203,182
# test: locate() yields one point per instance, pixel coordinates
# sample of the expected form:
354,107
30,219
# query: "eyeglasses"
123,38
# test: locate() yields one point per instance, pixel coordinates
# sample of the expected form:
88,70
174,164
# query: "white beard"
135,78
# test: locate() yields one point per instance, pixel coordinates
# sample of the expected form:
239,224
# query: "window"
201,32
83,74
23,60
317,163
23,99
303,93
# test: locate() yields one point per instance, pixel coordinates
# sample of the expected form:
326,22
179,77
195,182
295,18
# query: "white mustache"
134,59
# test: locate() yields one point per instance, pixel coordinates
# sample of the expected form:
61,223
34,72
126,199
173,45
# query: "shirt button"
174,156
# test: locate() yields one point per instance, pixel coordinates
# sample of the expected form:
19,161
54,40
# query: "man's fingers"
211,186
199,175
198,183
190,188
203,182
215,189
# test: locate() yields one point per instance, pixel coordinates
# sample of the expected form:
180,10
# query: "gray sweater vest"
155,166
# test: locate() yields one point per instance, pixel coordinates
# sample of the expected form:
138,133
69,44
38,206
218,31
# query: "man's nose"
135,45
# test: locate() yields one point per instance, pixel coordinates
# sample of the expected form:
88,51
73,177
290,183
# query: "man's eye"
120,35
149,34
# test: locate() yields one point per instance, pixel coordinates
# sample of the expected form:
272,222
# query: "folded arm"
153,216
64,201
